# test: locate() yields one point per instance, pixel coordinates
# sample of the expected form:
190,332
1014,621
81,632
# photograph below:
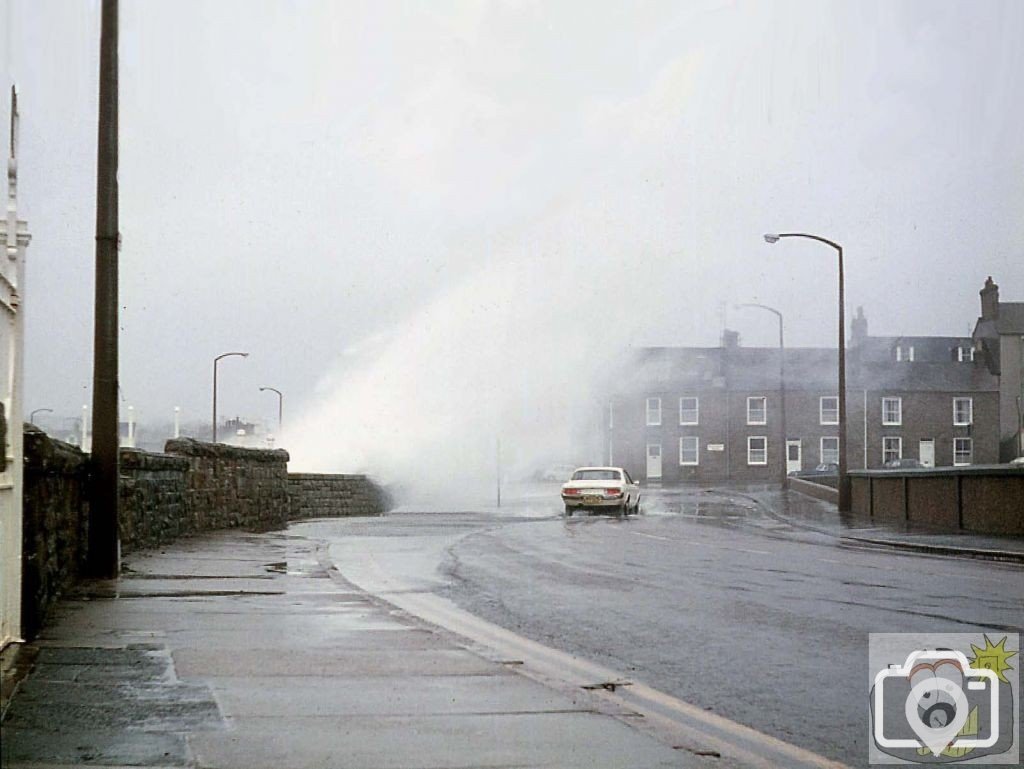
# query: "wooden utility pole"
103,557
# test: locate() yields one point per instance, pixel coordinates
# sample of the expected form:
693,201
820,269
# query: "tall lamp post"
782,384
844,480
32,416
215,362
280,406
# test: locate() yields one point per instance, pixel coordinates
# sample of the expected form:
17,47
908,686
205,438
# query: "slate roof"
654,369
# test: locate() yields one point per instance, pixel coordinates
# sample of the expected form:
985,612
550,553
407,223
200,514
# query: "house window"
757,450
892,411
689,450
892,449
828,410
963,450
689,411
963,411
910,353
653,411
830,451
899,353
757,410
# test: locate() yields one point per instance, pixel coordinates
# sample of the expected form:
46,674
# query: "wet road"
703,597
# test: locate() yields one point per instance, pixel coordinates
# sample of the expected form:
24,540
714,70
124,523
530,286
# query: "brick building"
999,339
714,413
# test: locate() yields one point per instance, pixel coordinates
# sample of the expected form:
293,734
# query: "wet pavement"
709,631
707,597
251,651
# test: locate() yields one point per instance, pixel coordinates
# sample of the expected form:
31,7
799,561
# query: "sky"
429,223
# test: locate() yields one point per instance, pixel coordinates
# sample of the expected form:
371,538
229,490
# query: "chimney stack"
860,328
989,300
730,339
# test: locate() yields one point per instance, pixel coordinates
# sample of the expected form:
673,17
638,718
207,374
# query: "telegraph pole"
103,557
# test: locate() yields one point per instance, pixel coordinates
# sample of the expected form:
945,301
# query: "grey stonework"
54,523
192,488
334,496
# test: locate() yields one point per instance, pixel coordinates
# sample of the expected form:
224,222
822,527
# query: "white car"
601,488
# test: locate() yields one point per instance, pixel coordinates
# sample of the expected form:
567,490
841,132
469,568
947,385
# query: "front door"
927,452
654,461
794,459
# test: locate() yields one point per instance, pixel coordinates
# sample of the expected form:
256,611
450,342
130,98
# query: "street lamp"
782,383
280,406
32,416
215,362
844,481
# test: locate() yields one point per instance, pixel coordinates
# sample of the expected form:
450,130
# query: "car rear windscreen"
596,475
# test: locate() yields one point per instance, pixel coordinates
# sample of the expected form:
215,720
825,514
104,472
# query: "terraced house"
709,414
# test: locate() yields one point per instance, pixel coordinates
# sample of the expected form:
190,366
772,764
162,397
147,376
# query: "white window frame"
695,409
653,421
821,409
957,452
910,356
970,412
750,450
696,450
821,449
899,411
899,447
899,353
764,409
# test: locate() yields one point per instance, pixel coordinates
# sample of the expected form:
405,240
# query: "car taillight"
570,492
614,492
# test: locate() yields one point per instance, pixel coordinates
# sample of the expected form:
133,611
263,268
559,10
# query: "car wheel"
568,511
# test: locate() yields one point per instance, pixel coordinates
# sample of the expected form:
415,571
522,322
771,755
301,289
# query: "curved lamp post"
782,383
280,406
215,362
844,481
32,416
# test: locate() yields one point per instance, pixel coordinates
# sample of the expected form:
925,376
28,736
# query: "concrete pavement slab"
205,662
351,695
563,740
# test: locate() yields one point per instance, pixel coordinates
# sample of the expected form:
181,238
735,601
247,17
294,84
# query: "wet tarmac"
704,597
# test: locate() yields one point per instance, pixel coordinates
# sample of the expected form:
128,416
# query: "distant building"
713,413
999,339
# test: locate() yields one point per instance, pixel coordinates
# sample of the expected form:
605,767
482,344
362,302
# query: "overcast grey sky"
302,179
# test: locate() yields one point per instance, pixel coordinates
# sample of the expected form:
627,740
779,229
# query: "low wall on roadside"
229,487
984,499
811,489
153,495
54,521
333,496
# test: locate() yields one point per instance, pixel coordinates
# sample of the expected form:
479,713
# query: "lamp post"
844,481
782,384
215,362
280,406
32,416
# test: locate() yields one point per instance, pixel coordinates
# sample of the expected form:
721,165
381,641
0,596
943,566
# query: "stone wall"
54,523
153,499
333,496
228,486
813,489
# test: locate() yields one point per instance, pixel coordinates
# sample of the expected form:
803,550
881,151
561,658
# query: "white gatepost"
15,237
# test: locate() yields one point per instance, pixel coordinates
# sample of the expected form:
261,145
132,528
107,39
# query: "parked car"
559,472
601,488
824,469
901,464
